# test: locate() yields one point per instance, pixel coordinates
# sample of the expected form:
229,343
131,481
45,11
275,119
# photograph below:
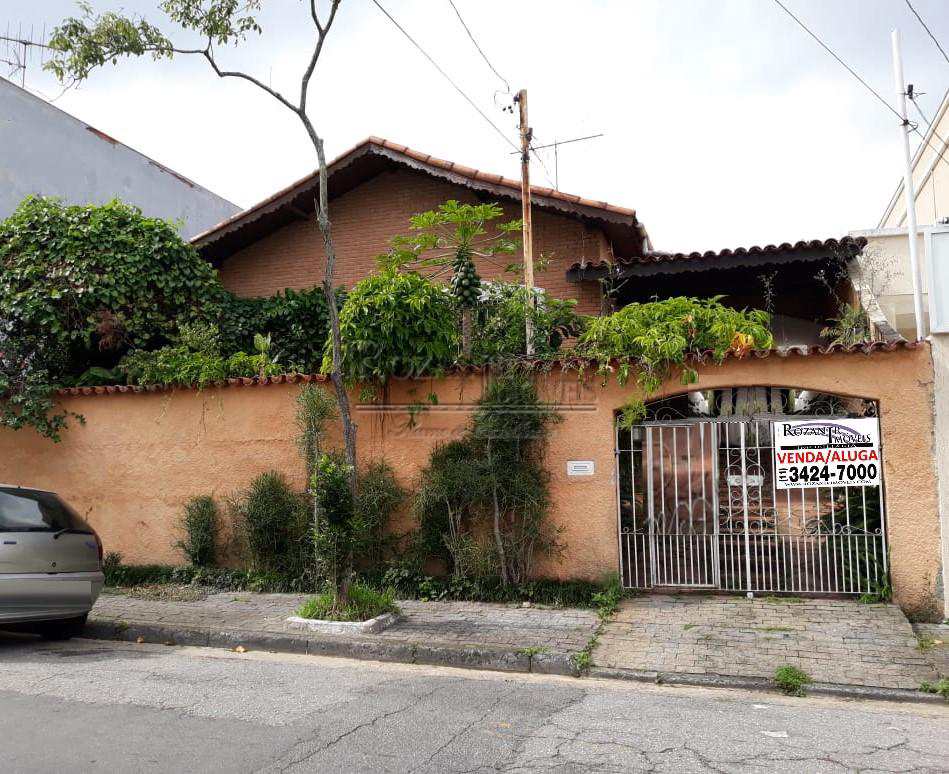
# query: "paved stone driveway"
560,630
834,641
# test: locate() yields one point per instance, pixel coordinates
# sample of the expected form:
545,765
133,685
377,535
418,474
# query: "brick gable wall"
366,218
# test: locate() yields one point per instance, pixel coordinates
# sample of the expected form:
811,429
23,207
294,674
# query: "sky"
724,124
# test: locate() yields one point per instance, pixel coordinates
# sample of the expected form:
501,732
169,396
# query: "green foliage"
273,522
941,687
99,279
500,332
81,44
791,680
378,497
199,524
493,482
196,360
653,338
451,235
850,328
607,601
363,604
296,320
315,407
26,397
396,324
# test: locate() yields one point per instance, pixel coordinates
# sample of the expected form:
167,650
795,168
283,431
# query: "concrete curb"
464,656
495,659
837,690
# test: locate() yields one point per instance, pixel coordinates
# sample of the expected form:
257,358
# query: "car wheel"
62,630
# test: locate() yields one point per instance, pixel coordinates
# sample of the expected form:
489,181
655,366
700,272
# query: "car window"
24,510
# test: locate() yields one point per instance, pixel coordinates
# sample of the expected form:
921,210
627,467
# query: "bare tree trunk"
498,541
466,324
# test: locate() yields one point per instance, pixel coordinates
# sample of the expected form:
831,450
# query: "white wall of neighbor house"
46,151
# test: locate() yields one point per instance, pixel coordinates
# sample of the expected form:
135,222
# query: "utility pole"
528,244
908,191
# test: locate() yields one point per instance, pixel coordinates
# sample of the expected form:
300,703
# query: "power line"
445,75
929,31
866,85
480,50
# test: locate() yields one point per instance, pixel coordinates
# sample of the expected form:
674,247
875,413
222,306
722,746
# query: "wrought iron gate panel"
698,507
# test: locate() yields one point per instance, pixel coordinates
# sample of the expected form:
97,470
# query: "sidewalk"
832,640
847,648
460,634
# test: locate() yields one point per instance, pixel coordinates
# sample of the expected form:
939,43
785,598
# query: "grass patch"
774,629
941,687
364,603
924,642
686,627
607,603
532,651
782,600
791,680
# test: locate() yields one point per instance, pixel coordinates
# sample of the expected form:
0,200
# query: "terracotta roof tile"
374,144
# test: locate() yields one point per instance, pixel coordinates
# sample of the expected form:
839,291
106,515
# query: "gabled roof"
654,262
375,155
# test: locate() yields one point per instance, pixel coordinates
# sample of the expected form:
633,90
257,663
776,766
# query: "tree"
80,45
449,238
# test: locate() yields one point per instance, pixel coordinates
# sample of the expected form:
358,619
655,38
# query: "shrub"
297,321
500,332
363,604
199,524
941,687
378,497
396,324
197,361
791,680
493,482
273,522
95,280
651,339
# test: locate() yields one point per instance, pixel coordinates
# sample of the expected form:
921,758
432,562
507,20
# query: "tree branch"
209,55
323,31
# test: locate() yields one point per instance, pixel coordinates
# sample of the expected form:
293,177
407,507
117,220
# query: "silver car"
50,564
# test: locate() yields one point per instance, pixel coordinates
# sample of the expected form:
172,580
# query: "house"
375,188
597,253
46,151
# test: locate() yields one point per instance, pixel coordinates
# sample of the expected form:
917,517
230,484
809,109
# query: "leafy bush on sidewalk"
363,603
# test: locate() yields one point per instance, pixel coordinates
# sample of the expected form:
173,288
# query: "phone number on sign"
830,475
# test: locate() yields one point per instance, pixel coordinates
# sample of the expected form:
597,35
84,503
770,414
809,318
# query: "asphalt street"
84,706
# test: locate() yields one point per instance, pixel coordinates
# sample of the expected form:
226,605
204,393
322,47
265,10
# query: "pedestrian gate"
698,507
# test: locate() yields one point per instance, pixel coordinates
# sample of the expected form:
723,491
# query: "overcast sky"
725,125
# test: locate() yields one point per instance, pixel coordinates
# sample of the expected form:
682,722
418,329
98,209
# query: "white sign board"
580,468
826,452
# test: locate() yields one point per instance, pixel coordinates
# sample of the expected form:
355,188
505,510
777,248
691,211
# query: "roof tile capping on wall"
141,455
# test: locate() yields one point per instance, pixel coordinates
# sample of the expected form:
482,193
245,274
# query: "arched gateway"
753,489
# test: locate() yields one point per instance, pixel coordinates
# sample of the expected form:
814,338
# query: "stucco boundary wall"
141,455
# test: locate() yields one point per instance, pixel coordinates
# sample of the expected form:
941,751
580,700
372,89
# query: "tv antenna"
556,145
19,51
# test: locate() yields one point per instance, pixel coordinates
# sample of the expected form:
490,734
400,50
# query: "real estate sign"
826,452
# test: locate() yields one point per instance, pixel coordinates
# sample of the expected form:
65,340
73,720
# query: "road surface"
85,706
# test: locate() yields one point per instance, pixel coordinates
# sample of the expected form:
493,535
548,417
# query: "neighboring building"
889,282
44,150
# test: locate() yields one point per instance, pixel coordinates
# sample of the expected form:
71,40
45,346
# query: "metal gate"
698,507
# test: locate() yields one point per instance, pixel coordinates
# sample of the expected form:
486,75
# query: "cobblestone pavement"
934,638
560,630
833,641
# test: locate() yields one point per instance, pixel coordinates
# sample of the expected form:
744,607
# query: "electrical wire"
480,50
929,31
445,75
866,85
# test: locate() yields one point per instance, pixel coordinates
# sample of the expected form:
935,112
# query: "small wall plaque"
580,468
